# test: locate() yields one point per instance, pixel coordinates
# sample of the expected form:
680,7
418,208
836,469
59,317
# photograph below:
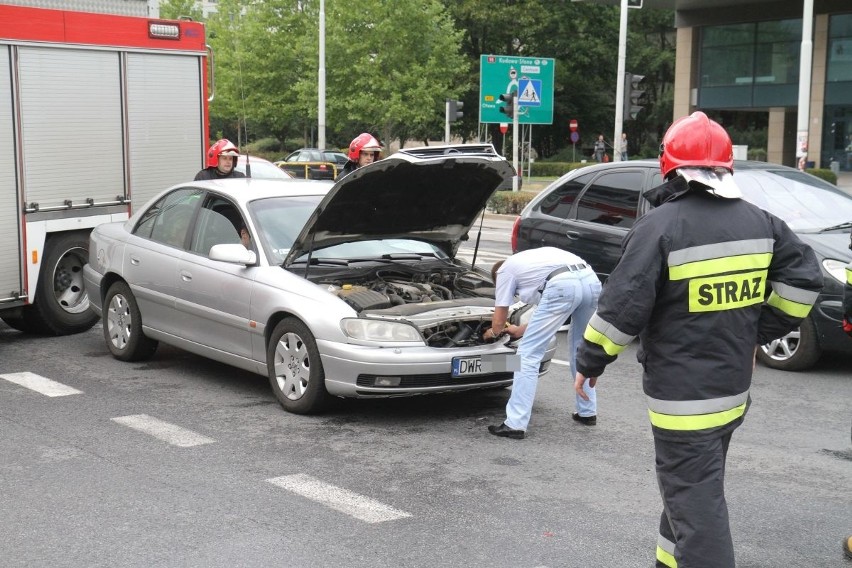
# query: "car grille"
436,380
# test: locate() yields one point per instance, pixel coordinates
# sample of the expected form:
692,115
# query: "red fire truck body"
98,113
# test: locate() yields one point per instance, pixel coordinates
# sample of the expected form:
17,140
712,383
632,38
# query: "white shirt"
523,274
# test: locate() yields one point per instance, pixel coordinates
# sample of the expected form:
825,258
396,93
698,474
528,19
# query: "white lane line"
174,435
358,506
561,362
40,384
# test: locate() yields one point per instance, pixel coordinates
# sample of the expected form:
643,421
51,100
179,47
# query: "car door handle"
573,235
134,260
185,276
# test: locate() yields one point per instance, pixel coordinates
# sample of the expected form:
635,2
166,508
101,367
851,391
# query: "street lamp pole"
321,80
619,88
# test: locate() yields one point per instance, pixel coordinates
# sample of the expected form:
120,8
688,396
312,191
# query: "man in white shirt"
561,284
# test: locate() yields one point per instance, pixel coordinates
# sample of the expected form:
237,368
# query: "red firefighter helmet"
363,142
696,141
223,147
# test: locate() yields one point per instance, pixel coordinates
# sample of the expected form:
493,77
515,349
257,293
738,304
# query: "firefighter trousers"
694,529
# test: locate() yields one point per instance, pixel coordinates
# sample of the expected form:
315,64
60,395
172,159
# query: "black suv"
588,211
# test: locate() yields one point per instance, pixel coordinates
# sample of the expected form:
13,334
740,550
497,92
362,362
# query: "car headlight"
837,268
379,330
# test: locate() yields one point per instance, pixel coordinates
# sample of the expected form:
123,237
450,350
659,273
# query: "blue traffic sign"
575,137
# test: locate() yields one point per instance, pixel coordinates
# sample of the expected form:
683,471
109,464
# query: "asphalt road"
181,461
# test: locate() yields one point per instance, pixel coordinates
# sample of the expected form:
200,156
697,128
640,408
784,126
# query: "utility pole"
805,64
619,89
321,80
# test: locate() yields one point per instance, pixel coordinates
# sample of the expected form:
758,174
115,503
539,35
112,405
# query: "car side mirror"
233,254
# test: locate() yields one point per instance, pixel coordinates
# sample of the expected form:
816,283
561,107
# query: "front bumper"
353,371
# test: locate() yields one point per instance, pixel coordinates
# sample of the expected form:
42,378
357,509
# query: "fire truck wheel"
123,325
61,304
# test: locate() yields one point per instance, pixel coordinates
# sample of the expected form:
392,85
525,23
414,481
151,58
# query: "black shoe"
505,432
587,420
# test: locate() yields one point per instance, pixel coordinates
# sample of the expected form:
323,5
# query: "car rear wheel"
295,371
796,351
123,325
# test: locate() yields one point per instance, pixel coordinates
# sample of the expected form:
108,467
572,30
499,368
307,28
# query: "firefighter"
364,149
221,161
692,283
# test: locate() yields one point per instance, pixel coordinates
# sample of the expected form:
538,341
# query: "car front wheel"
123,325
295,371
796,351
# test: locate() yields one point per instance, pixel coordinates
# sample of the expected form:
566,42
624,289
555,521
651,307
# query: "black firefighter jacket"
692,282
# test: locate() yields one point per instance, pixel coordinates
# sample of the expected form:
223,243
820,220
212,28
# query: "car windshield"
263,170
805,203
280,220
386,249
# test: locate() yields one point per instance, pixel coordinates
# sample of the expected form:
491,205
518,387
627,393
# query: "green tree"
175,9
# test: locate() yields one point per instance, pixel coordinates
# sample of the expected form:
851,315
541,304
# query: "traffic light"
632,94
509,108
455,110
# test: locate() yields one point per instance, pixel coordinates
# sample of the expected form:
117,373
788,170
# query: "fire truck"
98,112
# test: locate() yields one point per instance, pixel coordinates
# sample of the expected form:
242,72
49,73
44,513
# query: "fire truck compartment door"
71,125
10,213
169,149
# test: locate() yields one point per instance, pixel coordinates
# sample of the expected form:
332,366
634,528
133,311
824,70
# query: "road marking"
40,384
358,506
561,362
174,435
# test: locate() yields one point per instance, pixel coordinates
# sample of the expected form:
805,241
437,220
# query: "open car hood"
429,194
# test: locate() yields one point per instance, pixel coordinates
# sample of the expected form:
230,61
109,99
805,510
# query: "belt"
569,268
560,270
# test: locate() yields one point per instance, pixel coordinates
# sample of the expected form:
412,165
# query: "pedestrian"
622,147
364,149
600,148
691,284
563,285
221,162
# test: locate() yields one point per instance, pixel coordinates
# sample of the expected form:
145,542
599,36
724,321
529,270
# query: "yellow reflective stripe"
719,293
594,336
665,558
696,421
719,265
789,307
849,276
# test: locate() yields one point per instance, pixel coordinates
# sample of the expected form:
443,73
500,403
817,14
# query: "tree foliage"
391,64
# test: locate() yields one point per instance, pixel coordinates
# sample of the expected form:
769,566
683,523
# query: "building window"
759,53
839,48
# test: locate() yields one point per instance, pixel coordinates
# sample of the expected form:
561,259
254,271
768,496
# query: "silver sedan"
349,290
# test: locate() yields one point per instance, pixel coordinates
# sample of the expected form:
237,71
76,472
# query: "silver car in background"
350,290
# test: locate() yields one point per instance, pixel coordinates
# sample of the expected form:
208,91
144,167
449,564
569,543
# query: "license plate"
467,366
489,363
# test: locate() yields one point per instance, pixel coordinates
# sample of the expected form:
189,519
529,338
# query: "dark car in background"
313,163
588,211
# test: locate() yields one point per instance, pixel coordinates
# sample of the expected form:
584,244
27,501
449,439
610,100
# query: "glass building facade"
837,117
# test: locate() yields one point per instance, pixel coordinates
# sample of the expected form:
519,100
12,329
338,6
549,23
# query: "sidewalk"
844,181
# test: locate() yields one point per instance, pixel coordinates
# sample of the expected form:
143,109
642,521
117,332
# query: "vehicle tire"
123,325
61,304
796,351
295,370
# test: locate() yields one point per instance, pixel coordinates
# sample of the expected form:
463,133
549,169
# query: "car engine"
450,307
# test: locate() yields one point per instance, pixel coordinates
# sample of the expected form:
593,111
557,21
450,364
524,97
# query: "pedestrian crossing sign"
529,92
